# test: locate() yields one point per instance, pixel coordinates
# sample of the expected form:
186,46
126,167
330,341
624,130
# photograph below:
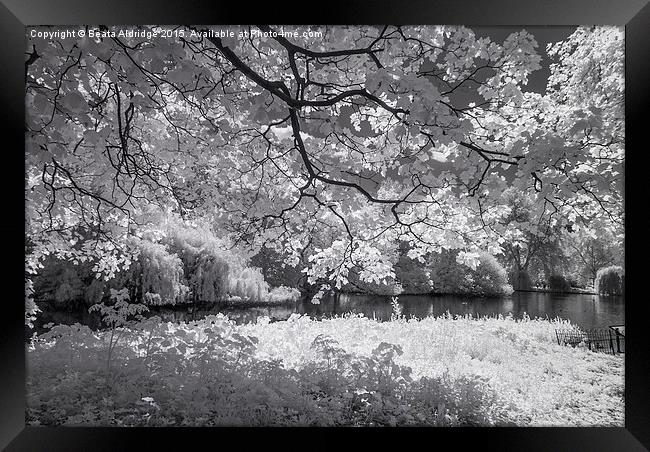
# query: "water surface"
587,311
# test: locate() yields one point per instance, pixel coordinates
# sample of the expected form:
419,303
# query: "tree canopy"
339,146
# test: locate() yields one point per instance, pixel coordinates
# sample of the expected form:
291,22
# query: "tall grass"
348,370
538,381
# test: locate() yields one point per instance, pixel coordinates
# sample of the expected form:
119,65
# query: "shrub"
175,263
558,283
490,278
610,281
156,277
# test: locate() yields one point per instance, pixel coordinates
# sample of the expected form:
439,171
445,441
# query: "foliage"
206,265
173,262
558,283
387,286
489,278
343,371
443,273
214,273
282,294
365,137
396,308
250,284
277,272
610,281
591,251
65,284
31,308
414,276
520,280
160,275
116,316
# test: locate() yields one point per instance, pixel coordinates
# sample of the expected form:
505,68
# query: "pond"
587,311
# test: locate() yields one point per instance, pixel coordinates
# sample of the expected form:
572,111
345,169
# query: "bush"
490,278
558,283
610,281
213,273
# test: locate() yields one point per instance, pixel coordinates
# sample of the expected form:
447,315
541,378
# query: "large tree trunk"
519,279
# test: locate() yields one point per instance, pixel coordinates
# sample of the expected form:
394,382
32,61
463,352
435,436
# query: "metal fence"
610,340
618,331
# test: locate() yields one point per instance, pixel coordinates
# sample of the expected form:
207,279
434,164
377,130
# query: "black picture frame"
16,14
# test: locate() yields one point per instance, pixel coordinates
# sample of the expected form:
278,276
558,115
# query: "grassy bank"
342,371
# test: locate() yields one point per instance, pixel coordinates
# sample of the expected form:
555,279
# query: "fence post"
611,343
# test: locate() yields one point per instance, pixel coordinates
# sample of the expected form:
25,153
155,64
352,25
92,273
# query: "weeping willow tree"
610,281
172,264
159,275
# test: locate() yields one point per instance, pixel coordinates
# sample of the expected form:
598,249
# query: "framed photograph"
378,214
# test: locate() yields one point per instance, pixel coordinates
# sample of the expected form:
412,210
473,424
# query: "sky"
543,35
536,80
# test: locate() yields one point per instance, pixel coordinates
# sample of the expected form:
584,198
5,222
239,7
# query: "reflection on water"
587,311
